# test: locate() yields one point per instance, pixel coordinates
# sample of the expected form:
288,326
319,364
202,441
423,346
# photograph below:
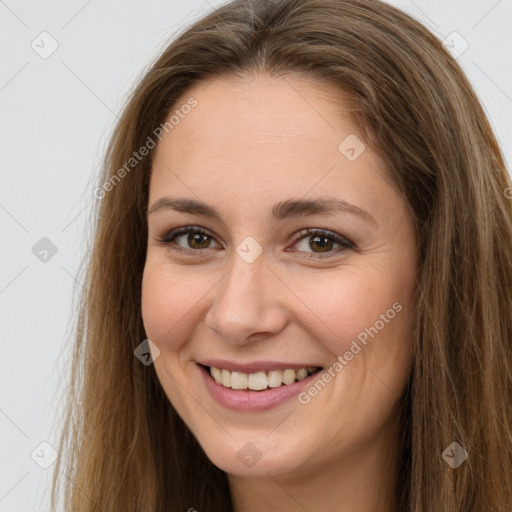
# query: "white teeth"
239,380
226,378
289,376
216,374
301,374
259,380
275,378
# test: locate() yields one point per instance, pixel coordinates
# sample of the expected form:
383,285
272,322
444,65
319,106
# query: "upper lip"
255,366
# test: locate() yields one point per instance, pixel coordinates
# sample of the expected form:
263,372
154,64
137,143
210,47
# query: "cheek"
167,305
362,315
343,303
366,317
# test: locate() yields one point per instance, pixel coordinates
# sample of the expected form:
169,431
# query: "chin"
255,455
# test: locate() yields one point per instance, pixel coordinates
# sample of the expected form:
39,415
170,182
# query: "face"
277,248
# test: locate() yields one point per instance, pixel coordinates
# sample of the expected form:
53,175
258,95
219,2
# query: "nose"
246,305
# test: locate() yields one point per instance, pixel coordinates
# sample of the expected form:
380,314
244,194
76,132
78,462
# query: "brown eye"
320,241
323,243
198,241
192,238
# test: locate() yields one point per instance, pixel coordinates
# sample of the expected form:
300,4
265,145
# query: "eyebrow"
280,211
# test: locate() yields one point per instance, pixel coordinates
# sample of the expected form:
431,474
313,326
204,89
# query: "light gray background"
57,114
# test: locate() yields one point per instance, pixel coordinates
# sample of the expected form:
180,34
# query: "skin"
249,143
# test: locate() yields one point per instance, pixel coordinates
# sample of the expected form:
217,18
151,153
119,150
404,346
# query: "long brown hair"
124,448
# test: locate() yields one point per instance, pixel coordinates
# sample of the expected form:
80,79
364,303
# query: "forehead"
262,134
277,112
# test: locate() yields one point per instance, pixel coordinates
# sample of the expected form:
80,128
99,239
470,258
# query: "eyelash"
342,241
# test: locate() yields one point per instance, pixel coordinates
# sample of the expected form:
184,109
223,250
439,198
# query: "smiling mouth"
259,381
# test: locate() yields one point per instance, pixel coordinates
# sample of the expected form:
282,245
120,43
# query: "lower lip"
247,400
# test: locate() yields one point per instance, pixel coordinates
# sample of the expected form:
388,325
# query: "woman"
300,285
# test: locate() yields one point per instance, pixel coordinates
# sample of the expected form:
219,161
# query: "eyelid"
345,243
342,240
171,235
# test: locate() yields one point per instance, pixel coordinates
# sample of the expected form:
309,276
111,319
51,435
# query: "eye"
194,238
321,242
